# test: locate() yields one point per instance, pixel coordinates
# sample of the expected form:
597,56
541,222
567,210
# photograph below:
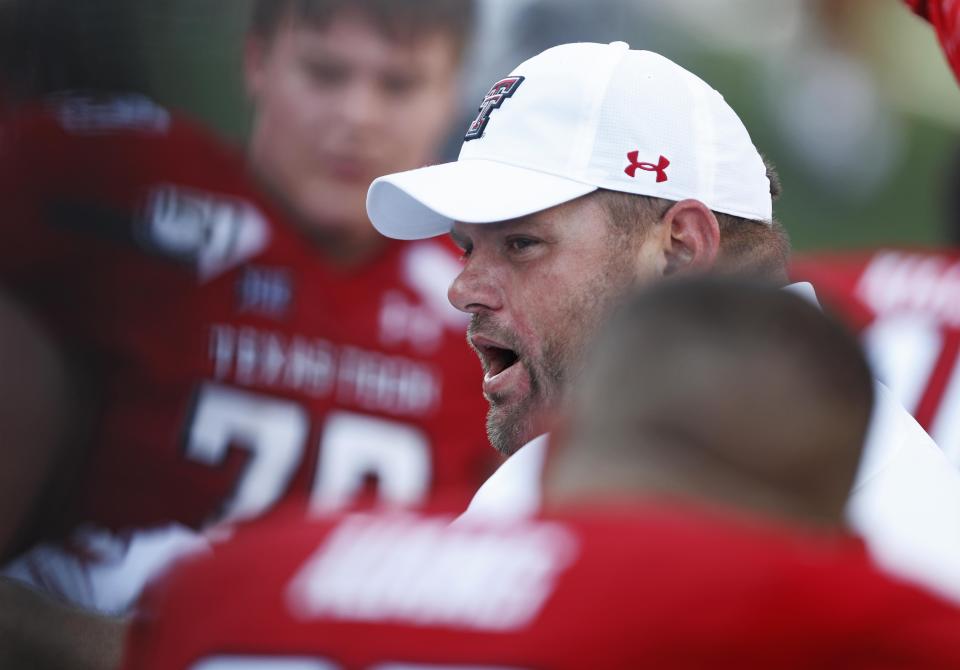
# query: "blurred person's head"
344,91
723,391
563,201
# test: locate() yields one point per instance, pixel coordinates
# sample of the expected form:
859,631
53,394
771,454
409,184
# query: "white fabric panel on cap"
601,116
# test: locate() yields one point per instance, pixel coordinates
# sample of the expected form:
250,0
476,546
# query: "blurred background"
851,99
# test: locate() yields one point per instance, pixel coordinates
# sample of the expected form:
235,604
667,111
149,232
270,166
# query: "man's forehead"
346,23
431,58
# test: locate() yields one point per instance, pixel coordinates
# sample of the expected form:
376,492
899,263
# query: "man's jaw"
513,385
512,425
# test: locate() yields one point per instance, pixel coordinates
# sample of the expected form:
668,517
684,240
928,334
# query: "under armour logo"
660,168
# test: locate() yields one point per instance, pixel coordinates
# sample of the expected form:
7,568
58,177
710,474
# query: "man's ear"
694,238
255,50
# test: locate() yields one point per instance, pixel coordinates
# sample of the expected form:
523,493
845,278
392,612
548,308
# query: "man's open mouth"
494,356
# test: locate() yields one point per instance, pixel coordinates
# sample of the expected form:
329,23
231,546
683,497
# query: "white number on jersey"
253,663
905,351
354,446
275,431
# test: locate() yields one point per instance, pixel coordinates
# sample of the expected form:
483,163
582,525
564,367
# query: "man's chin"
509,427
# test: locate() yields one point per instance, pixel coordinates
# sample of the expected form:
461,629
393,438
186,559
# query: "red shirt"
650,586
904,306
237,366
945,17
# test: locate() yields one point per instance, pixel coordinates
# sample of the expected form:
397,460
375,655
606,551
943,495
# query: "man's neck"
344,244
599,480
345,251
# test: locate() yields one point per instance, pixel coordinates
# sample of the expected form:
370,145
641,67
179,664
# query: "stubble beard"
512,425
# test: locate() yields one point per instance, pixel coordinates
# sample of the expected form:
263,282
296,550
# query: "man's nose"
475,289
360,104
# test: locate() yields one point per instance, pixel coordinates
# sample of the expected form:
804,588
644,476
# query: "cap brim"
423,203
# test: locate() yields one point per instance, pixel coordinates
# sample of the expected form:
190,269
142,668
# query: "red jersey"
905,307
238,367
618,588
945,17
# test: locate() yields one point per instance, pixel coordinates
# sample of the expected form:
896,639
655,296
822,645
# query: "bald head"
721,390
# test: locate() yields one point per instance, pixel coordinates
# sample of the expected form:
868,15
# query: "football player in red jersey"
680,533
903,304
244,352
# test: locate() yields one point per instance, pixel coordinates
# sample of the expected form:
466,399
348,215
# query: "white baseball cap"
575,118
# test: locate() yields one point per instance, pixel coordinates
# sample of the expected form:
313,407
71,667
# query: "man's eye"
520,243
326,74
464,247
399,84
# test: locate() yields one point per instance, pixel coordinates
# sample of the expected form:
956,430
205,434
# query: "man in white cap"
590,169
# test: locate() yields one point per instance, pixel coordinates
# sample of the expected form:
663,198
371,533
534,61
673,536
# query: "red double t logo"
503,89
660,168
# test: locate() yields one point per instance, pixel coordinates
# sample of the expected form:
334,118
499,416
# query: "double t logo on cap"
660,168
499,92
